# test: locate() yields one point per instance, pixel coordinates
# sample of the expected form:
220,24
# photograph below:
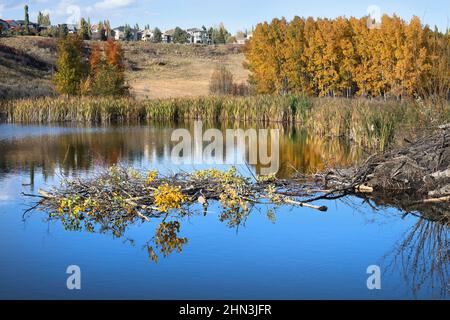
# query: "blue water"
303,254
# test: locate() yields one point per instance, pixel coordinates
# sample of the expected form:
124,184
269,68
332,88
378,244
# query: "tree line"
350,57
217,35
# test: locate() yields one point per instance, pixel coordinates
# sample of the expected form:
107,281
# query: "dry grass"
153,71
169,71
25,68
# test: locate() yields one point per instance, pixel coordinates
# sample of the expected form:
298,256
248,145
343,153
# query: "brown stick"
306,205
363,189
436,200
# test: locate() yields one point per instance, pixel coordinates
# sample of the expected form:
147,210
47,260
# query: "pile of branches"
112,200
119,194
412,178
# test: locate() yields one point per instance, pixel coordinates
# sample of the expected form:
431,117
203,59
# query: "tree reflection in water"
423,256
423,252
166,239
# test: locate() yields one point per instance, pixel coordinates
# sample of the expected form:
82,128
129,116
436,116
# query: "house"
139,34
243,38
73,28
167,36
4,26
196,35
119,33
44,28
96,33
95,28
20,24
12,24
147,35
99,32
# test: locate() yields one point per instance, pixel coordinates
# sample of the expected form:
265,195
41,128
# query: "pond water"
288,253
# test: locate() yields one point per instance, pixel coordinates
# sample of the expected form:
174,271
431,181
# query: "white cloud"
112,4
2,7
66,11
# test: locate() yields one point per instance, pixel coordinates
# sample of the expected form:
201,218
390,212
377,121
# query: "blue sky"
236,14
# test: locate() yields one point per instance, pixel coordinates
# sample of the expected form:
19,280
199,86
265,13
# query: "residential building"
73,28
119,33
4,26
95,28
147,35
196,35
243,38
20,24
167,36
12,24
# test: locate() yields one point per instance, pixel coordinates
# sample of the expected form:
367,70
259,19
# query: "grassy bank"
152,70
375,124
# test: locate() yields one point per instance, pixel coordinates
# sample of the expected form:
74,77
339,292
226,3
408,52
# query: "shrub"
242,89
221,82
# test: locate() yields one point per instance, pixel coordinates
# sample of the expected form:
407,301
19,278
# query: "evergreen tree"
220,34
83,32
27,21
179,35
102,31
108,30
39,18
128,35
89,27
157,35
62,31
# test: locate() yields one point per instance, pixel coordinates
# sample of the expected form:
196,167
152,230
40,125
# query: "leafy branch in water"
119,197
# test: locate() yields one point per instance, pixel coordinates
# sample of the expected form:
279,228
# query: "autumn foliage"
107,68
104,75
347,57
69,65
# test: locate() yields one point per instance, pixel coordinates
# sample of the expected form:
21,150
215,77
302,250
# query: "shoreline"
373,124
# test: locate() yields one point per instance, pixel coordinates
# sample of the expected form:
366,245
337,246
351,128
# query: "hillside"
152,70
25,70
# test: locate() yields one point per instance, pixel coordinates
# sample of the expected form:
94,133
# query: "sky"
235,14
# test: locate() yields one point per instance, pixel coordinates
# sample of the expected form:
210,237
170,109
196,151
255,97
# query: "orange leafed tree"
107,77
114,54
347,57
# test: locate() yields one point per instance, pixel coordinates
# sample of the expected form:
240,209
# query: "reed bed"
371,123
99,110
375,124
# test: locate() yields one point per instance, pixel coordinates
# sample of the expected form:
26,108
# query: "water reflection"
81,150
423,252
424,256
43,153
421,255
